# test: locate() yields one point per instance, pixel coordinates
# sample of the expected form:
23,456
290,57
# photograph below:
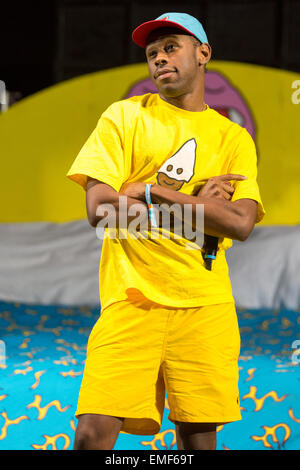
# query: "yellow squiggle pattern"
160,437
259,402
44,409
271,431
51,441
9,422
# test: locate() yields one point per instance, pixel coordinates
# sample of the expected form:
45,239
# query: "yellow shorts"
139,350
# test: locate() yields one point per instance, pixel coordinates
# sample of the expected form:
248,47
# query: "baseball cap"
183,21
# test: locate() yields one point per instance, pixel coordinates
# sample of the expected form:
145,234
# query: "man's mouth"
163,73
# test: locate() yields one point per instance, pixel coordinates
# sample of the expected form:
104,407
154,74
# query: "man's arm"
101,194
222,218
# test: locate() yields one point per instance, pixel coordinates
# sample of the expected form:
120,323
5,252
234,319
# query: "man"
168,320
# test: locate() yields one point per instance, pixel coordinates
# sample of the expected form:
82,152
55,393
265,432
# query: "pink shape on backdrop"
219,95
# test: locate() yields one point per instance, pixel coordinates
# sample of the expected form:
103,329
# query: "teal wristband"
150,206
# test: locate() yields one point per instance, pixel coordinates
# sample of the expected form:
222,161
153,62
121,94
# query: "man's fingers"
232,176
227,196
228,188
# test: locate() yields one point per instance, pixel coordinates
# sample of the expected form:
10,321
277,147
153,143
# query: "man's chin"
169,90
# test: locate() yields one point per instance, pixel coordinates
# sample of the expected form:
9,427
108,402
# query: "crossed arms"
222,217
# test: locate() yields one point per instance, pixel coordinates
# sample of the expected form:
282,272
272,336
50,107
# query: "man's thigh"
196,436
97,431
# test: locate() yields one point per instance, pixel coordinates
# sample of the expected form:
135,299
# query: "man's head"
175,43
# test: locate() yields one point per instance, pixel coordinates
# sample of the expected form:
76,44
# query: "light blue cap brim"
186,22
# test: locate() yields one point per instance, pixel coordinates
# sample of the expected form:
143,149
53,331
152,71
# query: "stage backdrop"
41,135
50,258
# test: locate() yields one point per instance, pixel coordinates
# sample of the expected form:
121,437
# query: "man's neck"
187,102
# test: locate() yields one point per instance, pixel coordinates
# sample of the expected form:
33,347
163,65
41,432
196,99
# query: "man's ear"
204,52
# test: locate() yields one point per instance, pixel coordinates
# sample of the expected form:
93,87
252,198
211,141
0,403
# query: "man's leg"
196,436
97,432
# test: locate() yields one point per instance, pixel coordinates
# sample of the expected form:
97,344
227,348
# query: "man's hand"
135,190
99,194
219,186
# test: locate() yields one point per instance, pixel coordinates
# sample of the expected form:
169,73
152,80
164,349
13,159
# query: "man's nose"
161,58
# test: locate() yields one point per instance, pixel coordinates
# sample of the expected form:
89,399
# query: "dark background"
45,42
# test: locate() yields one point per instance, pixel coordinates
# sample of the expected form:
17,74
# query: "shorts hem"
146,431
150,432
206,419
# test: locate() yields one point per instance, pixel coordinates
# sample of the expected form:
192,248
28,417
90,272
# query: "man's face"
173,62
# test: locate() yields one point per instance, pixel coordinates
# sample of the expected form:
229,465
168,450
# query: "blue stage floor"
41,375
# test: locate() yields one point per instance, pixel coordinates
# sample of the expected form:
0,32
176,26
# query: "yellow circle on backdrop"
41,135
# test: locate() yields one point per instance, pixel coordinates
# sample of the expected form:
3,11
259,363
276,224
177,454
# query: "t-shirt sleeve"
102,156
244,162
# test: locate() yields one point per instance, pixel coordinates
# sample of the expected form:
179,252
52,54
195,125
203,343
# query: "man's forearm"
221,218
117,211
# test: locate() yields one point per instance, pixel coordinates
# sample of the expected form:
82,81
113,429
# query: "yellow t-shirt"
144,138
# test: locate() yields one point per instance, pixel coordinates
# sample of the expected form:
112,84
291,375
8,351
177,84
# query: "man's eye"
169,47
